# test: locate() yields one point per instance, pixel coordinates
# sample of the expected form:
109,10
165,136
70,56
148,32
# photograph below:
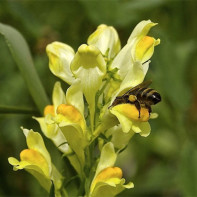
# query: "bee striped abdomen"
142,93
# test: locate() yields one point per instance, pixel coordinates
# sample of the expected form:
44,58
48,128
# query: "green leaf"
22,57
16,110
52,190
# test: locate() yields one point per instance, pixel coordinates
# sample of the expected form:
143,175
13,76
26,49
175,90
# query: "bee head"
156,98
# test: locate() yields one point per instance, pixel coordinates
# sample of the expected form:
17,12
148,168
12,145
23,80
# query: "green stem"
90,168
96,100
17,110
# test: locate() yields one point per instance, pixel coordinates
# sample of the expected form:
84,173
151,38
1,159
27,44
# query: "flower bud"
106,39
60,56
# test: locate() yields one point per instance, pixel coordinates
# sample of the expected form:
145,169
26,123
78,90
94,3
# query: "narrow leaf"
22,57
52,190
17,110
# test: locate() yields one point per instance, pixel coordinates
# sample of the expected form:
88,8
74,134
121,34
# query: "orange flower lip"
130,111
110,172
143,47
106,174
71,114
35,158
49,109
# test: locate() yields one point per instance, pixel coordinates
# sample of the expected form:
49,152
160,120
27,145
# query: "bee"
140,96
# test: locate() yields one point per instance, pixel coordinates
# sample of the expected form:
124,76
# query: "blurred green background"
165,163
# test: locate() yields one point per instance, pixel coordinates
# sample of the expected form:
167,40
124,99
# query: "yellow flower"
106,39
108,181
70,114
47,125
130,111
132,65
128,116
64,123
37,161
60,56
139,48
110,174
89,66
145,48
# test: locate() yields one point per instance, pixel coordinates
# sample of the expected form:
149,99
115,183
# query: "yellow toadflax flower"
50,130
99,108
108,181
125,70
64,123
37,161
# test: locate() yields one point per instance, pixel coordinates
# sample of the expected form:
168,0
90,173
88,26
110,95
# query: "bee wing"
144,84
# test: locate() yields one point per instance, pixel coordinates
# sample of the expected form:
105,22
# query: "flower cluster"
81,121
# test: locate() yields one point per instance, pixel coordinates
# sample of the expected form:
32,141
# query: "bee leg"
137,105
149,109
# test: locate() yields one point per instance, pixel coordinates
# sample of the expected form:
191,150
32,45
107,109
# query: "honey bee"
140,96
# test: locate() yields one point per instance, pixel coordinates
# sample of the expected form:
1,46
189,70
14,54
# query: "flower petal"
125,122
35,142
89,66
154,115
34,157
110,189
106,39
49,109
107,158
135,49
141,29
143,128
128,116
32,169
123,61
53,132
36,160
131,112
69,114
44,181
119,138
74,96
145,48
134,77
58,95
60,56
13,161
108,173
76,139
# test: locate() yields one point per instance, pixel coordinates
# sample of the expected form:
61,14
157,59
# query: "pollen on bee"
132,98
131,112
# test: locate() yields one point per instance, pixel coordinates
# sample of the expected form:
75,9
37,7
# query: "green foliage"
161,165
21,55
